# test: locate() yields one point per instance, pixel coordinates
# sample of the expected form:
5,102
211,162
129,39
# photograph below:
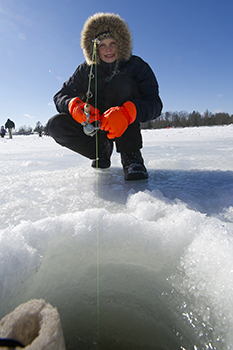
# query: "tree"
222,119
25,130
194,119
39,128
175,120
183,119
207,118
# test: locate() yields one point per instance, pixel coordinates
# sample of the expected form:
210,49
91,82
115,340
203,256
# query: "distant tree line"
184,119
28,130
173,119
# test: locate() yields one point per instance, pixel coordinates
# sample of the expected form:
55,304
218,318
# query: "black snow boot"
103,162
133,166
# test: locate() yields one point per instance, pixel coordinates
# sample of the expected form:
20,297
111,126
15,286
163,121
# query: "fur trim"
102,25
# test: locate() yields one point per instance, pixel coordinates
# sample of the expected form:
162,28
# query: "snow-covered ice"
147,264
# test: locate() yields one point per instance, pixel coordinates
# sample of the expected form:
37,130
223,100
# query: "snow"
145,264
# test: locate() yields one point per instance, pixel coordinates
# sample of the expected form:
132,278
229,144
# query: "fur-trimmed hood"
104,25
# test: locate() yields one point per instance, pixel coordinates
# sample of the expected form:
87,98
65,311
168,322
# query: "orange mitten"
116,119
76,109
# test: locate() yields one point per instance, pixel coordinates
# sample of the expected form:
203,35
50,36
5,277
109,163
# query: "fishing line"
91,131
97,188
97,126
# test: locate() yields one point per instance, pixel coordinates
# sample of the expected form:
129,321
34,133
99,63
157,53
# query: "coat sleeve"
149,105
73,87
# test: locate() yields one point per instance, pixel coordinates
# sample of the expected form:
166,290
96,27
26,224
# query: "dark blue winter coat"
148,102
9,124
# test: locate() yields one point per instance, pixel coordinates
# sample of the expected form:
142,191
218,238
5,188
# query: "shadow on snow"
209,192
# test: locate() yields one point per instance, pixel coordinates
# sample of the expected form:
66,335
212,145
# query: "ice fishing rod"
88,128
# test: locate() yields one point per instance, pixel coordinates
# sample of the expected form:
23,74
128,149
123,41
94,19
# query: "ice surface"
160,249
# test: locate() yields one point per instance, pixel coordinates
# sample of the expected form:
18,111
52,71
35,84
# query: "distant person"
120,90
10,125
3,131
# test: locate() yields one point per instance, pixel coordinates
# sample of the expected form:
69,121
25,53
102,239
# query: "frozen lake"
129,265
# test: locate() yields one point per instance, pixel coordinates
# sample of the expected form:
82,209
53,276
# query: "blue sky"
187,43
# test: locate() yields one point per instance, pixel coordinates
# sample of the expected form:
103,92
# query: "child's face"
108,51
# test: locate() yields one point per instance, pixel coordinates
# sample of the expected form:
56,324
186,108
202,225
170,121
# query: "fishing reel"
88,128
